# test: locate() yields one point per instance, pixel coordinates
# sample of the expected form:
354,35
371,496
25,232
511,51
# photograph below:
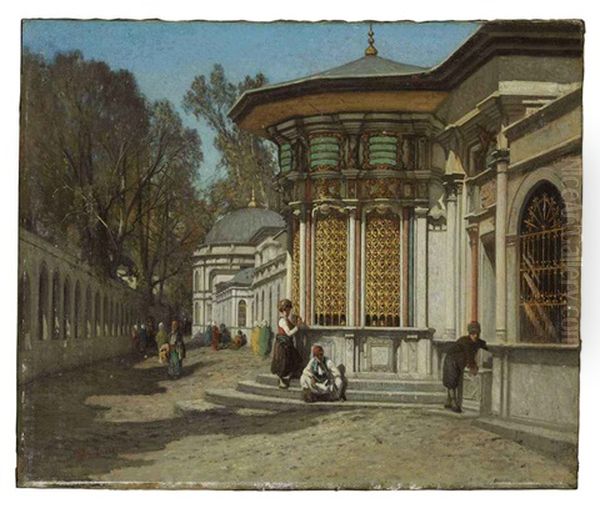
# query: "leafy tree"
105,171
248,160
168,208
82,125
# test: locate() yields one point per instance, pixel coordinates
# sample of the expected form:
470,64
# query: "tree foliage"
107,172
249,161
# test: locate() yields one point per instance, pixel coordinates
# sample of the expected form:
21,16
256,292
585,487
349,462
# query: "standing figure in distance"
215,337
176,351
286,359
460,355
162,343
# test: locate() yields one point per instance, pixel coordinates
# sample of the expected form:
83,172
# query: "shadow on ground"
63,438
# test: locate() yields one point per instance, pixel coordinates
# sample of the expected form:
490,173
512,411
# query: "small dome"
241,225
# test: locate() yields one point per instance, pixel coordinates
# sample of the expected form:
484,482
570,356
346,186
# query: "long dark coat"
460,355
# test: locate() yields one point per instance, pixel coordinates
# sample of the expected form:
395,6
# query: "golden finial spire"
371,50
252,203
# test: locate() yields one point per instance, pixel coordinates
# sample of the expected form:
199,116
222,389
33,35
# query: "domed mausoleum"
231,284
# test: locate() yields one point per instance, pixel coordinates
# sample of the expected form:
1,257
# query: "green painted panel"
324,162
383,146
325,148
324,139
383,139
324,155
382,153
388,161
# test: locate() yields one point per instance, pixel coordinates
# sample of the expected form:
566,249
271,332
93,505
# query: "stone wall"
536,384
68,316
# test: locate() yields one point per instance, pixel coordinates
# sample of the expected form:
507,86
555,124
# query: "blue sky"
166,56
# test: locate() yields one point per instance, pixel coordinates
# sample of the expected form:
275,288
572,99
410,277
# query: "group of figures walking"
170,346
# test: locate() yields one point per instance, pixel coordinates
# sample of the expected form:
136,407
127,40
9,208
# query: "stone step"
294,392
371,384
234,398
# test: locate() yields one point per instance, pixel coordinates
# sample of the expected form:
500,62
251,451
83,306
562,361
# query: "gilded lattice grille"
382,290
296,271
331,240
542,271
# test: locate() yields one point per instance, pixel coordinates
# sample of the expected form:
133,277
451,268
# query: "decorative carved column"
404,256
357,270
303,283
451,191
421,267
352,285
309,270
474,286
501,158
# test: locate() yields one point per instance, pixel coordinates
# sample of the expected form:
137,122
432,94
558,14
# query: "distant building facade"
240,270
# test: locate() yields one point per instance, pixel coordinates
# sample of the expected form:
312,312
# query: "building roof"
368,66
372,74
240,226
242,278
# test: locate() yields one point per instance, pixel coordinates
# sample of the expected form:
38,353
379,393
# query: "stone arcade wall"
68,316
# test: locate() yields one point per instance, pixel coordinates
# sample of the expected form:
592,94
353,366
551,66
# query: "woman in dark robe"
461,355
286,359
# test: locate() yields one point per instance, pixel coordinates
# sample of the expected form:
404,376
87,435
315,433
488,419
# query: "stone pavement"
115,424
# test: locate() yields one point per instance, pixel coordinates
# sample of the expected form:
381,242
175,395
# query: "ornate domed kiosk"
359,183
418,200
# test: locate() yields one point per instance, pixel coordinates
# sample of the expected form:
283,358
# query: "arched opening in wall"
197,280
241,320
43,325
382,265
24,309
196,313
105,315
112,318
331,253
122,318
55,320
542,273
76,311
66,310
262,305
97,316
87,318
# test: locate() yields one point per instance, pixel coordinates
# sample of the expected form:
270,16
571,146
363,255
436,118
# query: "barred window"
331,242
542,268
382,299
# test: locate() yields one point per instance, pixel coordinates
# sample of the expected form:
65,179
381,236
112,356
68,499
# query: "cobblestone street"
115,424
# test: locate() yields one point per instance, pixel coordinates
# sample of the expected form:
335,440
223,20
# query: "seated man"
321,380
